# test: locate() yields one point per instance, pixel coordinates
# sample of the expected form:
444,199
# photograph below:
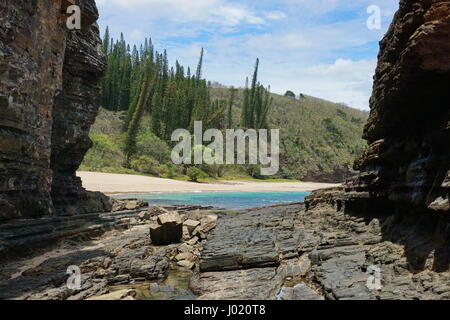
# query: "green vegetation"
257,102
290,94
317,137
194,174
144,100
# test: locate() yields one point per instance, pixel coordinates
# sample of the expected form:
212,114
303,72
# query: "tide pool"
225,200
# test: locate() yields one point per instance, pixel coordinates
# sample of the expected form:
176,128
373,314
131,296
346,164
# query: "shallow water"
225,200
176,286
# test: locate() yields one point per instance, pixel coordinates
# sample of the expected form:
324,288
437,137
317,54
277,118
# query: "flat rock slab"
251,284
259,238
299,292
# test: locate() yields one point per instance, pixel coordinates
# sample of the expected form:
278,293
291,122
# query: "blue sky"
321,48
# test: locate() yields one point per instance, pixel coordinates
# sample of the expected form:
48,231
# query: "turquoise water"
225,200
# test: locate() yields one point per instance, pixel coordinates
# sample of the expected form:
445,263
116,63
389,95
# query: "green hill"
319,140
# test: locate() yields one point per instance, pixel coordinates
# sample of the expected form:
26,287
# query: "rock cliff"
48,101
408,131
404,177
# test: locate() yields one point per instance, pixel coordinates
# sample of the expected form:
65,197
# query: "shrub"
151,146
145,164
254,170
289,94
195,173
104,153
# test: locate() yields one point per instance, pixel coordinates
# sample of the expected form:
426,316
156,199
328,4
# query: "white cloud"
213,11
232,15
275,15
321,48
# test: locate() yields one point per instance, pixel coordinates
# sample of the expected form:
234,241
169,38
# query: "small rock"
208,223
186,234
191,225
186,264
185,247
185,256
144,215
199,233
154,211
133,205
125,294
193,241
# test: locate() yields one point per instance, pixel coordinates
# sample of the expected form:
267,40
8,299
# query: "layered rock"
322,253
404,173
48,100
408,131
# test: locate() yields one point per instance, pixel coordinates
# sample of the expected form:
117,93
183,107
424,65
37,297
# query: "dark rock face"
408,159
48,100
403,187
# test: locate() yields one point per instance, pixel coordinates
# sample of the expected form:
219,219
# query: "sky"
321,48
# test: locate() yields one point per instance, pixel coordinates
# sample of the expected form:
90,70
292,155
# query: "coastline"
110,184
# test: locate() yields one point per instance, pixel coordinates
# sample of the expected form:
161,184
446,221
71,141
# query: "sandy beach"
123,183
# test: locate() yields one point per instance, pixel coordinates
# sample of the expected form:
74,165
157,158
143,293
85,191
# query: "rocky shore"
289,252
312,251
118,250
385,234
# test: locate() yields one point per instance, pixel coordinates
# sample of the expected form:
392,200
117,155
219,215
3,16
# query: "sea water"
225,200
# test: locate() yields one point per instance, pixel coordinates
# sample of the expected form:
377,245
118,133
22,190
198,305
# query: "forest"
144,100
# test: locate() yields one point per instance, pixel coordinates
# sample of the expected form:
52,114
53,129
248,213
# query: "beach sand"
123,183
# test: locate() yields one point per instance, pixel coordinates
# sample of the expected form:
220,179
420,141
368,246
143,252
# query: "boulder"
169,229
170,217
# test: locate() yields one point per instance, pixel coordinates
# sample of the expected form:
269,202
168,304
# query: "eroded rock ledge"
48,100
408,131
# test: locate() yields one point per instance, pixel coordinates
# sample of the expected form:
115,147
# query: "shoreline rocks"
169,229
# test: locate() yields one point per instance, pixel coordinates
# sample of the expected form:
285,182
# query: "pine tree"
257,102
230,108
106,42
198,74
130,140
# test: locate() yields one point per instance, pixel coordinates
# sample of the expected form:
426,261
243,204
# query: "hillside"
319,141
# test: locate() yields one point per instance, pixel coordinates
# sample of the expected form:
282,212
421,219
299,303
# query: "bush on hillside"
195,173
151,146
148,165
104,153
